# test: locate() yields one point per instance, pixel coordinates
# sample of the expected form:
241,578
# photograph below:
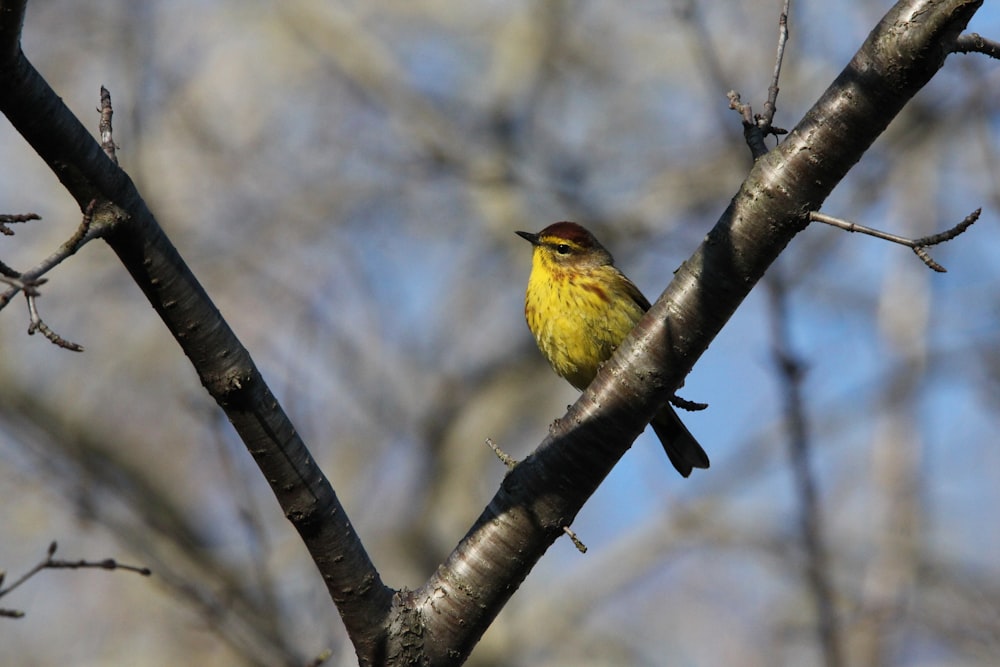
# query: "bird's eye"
562,249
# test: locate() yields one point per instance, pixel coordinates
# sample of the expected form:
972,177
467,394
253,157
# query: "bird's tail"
684,451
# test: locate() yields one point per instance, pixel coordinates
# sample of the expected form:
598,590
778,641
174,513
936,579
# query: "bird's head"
567,245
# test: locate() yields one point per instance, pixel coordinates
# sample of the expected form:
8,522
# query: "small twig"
752,134
85,232
20,284
580,546
105,564
48,563
76,241
948,234
107,140
36,324
771,105
917,245
29,281
684,404
756,128
8,218
737,105
976,43
505,458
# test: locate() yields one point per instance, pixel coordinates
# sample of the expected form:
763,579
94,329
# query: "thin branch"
918,245
85,232
29,281
37,325
7,218
76,241
48,563
580,546
504,457
32,572
976,43
771,106
756,128
949,234
753,135
29,286
19,284
684,404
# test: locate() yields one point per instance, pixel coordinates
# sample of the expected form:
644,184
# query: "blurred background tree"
345,180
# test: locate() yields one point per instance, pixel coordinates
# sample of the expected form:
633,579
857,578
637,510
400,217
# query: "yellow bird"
580,307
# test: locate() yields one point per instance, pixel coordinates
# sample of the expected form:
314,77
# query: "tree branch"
49,563
917,245
223,364
549,487
976,43
756,128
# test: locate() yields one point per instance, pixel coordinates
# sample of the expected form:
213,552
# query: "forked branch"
756,128
917,245
7,218
29,281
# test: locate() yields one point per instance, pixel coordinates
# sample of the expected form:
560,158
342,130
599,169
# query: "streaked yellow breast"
578,318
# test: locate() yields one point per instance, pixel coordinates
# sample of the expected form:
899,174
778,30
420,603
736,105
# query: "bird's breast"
577,322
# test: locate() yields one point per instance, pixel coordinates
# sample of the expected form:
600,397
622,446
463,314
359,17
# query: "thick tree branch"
223,364
547,489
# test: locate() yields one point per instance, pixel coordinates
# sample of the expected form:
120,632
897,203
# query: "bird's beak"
529,237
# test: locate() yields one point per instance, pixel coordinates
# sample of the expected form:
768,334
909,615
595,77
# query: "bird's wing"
635,294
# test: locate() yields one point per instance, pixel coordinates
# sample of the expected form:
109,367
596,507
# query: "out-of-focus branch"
8,218
791,373
50,563
81,462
